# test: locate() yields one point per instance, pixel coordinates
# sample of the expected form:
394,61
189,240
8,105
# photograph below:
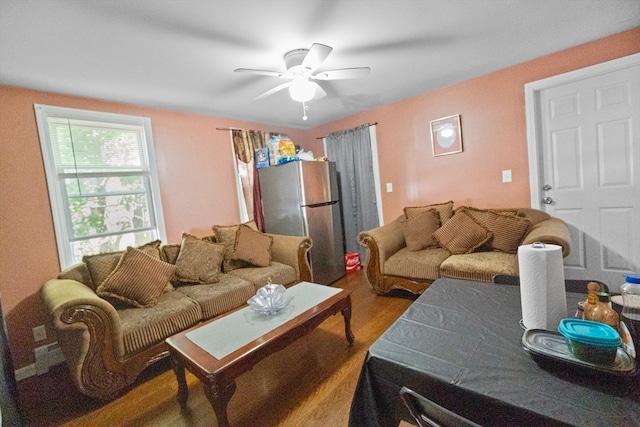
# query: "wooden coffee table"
218,374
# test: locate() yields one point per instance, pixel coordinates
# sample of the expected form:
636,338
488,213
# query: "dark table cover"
460,345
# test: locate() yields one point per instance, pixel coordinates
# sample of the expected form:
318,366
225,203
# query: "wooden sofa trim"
104,375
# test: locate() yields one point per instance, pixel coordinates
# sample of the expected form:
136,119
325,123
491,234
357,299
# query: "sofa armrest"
293,250
388,239
381,243
89,334
551,231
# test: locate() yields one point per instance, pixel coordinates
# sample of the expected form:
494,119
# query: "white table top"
227,334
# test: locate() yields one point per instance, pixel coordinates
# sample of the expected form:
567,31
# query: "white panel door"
590,172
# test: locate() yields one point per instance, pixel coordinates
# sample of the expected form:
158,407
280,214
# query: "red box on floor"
352,261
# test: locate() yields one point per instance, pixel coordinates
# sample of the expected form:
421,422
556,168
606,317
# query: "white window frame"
57,194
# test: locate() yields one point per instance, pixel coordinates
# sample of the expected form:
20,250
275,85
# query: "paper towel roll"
542,291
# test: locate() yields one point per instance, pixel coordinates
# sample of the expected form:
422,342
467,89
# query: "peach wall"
492,109
196,182
196,172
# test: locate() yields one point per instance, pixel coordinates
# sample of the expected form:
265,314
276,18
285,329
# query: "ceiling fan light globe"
301,89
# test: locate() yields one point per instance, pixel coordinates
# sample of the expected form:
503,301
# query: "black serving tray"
550,346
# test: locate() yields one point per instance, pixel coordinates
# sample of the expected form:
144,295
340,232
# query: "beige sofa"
110,330
433,241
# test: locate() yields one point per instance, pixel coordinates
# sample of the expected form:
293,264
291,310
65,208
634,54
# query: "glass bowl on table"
270,299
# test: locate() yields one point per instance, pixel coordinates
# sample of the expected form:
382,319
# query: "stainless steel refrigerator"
301,198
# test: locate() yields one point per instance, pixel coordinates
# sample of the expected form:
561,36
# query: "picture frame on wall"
446,135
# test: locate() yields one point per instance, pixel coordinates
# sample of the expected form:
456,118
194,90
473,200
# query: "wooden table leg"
219,396
183,390
346,313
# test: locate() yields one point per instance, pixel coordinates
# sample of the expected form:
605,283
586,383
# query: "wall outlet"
39,333
389,187
506,175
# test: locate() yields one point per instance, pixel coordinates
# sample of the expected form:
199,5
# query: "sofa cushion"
479,266
101,265
508,231
217,298
418,230
199,260
462,234
421,265
445,210
138,279
143,327
279,273
226,235
252,246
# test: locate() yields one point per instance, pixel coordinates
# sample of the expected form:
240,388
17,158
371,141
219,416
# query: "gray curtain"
351,150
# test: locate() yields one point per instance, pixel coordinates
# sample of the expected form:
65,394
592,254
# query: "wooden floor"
310,383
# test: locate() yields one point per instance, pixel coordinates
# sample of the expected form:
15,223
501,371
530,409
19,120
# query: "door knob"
547,200
546,187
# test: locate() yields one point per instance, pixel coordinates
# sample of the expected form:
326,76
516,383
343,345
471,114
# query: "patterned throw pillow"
445,210
253,247
138,279
170,252
508,231
462,234
483,215
418,230
199,261
101,265
226,235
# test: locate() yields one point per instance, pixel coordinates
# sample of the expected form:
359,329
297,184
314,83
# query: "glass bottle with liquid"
604,312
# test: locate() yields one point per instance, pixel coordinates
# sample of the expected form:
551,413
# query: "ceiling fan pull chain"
305,107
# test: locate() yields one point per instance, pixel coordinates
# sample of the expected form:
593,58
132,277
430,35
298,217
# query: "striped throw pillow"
445,210
418,230
462,234
138,280
508,231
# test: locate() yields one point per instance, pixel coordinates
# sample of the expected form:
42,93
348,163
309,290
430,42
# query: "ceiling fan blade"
343,73
316,55
273,90
262,72
319,92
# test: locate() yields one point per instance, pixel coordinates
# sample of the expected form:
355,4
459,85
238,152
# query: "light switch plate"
506,175
389,187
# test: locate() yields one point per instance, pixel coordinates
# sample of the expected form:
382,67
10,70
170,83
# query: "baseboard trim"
46,356
26,372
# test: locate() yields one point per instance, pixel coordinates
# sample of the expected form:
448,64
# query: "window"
102,181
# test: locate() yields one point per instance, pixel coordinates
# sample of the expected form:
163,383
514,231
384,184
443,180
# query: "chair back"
429,414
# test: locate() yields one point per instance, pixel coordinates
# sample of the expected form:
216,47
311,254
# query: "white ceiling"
180,54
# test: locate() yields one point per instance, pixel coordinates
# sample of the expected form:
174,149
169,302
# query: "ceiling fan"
301,65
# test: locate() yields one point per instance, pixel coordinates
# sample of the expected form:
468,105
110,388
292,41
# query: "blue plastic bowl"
590,341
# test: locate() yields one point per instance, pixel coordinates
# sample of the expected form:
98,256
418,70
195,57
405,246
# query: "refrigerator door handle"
315,205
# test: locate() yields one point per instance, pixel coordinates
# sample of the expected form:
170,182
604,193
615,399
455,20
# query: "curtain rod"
322,137
268,131
229,129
